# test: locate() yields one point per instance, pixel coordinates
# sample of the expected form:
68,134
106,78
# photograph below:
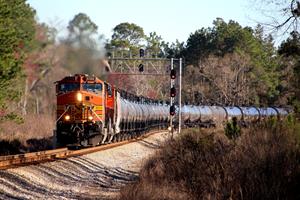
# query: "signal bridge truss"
129,65
150,66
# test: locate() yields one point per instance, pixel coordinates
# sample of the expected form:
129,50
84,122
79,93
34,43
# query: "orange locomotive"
85,110
92,112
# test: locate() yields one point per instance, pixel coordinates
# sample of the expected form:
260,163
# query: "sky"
172,19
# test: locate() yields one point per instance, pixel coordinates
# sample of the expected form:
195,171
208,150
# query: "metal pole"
171,102
180,78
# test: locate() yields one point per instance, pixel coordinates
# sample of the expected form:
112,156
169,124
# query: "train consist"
208,116
92,112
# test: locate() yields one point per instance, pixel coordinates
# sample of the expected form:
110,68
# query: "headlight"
90,117
79,96
67,117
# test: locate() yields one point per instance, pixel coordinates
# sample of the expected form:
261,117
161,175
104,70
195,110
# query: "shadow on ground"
16,147
153,145
75,178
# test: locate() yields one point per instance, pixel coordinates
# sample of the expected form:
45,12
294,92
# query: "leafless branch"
279,16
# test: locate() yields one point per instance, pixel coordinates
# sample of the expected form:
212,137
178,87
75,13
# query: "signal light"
173,92
172,110
142,53
141,67
173,73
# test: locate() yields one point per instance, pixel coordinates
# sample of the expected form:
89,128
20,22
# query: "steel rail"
13,161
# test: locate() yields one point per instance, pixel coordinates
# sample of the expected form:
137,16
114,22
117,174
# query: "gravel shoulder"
98,175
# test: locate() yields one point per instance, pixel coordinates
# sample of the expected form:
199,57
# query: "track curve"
98,175
12,161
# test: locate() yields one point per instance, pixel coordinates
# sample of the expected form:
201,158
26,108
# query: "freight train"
92,112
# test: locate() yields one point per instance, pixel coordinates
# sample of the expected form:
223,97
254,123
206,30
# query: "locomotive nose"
78,113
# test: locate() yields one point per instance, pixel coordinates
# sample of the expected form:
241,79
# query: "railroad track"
12,161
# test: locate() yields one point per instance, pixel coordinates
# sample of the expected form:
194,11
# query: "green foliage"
228,38
154,44
173,50
199,45
290,57
13,117
222,38
16,35
272,122
290,120
296,105
127,35
292,124
232,129
291,47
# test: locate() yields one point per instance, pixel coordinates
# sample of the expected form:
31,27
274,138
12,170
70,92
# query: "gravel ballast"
98,175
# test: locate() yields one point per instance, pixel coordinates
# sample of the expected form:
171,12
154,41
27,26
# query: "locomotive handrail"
62,114
96,114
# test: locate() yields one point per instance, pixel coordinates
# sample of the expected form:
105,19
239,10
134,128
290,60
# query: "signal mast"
145,66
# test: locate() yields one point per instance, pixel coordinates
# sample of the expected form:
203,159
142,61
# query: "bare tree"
280,15
223,80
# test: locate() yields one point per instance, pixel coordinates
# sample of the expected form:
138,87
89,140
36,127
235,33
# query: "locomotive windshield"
92,87
68,87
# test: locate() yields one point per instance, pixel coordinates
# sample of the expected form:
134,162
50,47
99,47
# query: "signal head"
172,110
142,53
141,67
173,92
173,74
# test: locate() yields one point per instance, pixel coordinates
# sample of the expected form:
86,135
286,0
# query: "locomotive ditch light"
141,67
172,110
67,117
79,96
173,74
173,92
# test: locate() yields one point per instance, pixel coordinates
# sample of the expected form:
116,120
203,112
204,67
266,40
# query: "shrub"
232,129
263,163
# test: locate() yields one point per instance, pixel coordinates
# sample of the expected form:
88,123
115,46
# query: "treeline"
224,64
231,64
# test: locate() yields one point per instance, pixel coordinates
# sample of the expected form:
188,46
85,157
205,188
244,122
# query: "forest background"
225,64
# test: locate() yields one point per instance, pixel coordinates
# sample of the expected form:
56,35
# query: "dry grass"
32,135
264,163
